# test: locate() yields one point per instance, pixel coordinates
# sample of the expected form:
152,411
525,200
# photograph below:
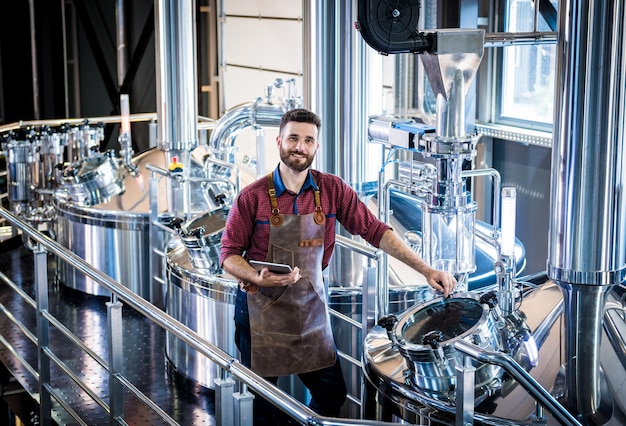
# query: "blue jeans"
327,386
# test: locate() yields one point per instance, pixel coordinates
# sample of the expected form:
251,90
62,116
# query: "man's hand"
250,278
266,278
441,281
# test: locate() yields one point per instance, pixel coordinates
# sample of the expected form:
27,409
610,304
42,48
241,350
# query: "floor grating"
145,363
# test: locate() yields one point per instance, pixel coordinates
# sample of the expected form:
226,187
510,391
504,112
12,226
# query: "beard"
296,164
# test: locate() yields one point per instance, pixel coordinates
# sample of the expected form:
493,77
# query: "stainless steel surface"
587,249
251,114
121,41
115,236
205,302
338,86
588,224
177,103
519,39
22,170
583,320
386,371
460,317
177,109
201,236
91,181
519,374
450,70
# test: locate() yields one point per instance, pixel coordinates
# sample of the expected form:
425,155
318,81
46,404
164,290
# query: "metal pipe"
75,121
519,39
226,164
33,58
121,42
587,249
236,119
496,180
176,74
521,376
357,247
612,331
66,99
404,84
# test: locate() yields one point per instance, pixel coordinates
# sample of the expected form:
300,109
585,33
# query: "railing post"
43,333
465,383
155,265
116,358
243,407
224,402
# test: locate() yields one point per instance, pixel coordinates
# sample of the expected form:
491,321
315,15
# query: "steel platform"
145,363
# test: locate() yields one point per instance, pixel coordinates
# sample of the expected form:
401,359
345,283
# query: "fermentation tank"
114,236
204,300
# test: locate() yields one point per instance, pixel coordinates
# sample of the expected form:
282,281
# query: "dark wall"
76,64
15,58
96,50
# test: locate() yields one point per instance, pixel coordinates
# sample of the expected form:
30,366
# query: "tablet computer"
277,268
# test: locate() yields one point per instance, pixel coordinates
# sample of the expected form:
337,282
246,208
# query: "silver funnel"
450,68
587,248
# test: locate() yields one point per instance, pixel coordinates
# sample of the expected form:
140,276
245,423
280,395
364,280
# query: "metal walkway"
145,363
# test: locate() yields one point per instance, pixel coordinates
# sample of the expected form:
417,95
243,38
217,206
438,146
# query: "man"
282,322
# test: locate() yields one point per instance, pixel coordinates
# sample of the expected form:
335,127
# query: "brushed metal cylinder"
586,245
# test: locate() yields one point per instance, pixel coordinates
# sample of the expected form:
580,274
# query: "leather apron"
290,326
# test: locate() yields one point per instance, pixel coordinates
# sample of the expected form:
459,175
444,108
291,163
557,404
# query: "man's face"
297,144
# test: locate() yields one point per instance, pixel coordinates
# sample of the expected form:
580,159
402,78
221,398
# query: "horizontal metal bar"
350,359
19,324
74,339
59,400
19,291
503,39
63,366
143,398
365,250
20,358
515,134
345,318
203,122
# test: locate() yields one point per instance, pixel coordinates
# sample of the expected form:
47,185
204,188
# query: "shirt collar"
279,186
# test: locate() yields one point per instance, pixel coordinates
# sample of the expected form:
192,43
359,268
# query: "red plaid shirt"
248,227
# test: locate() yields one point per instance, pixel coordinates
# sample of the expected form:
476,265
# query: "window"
528,72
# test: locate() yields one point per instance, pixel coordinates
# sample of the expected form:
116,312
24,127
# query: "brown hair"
300,115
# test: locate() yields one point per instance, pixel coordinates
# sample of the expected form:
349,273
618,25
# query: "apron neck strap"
277,219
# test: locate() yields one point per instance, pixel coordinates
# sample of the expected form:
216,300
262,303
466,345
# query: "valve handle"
388,322
176,223
490,298
433,339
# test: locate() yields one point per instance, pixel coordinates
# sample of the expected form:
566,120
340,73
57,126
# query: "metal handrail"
521,376
276,396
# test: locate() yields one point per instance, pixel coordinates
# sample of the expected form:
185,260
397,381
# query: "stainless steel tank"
114,236
203,300
391,369
425,336
407,387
